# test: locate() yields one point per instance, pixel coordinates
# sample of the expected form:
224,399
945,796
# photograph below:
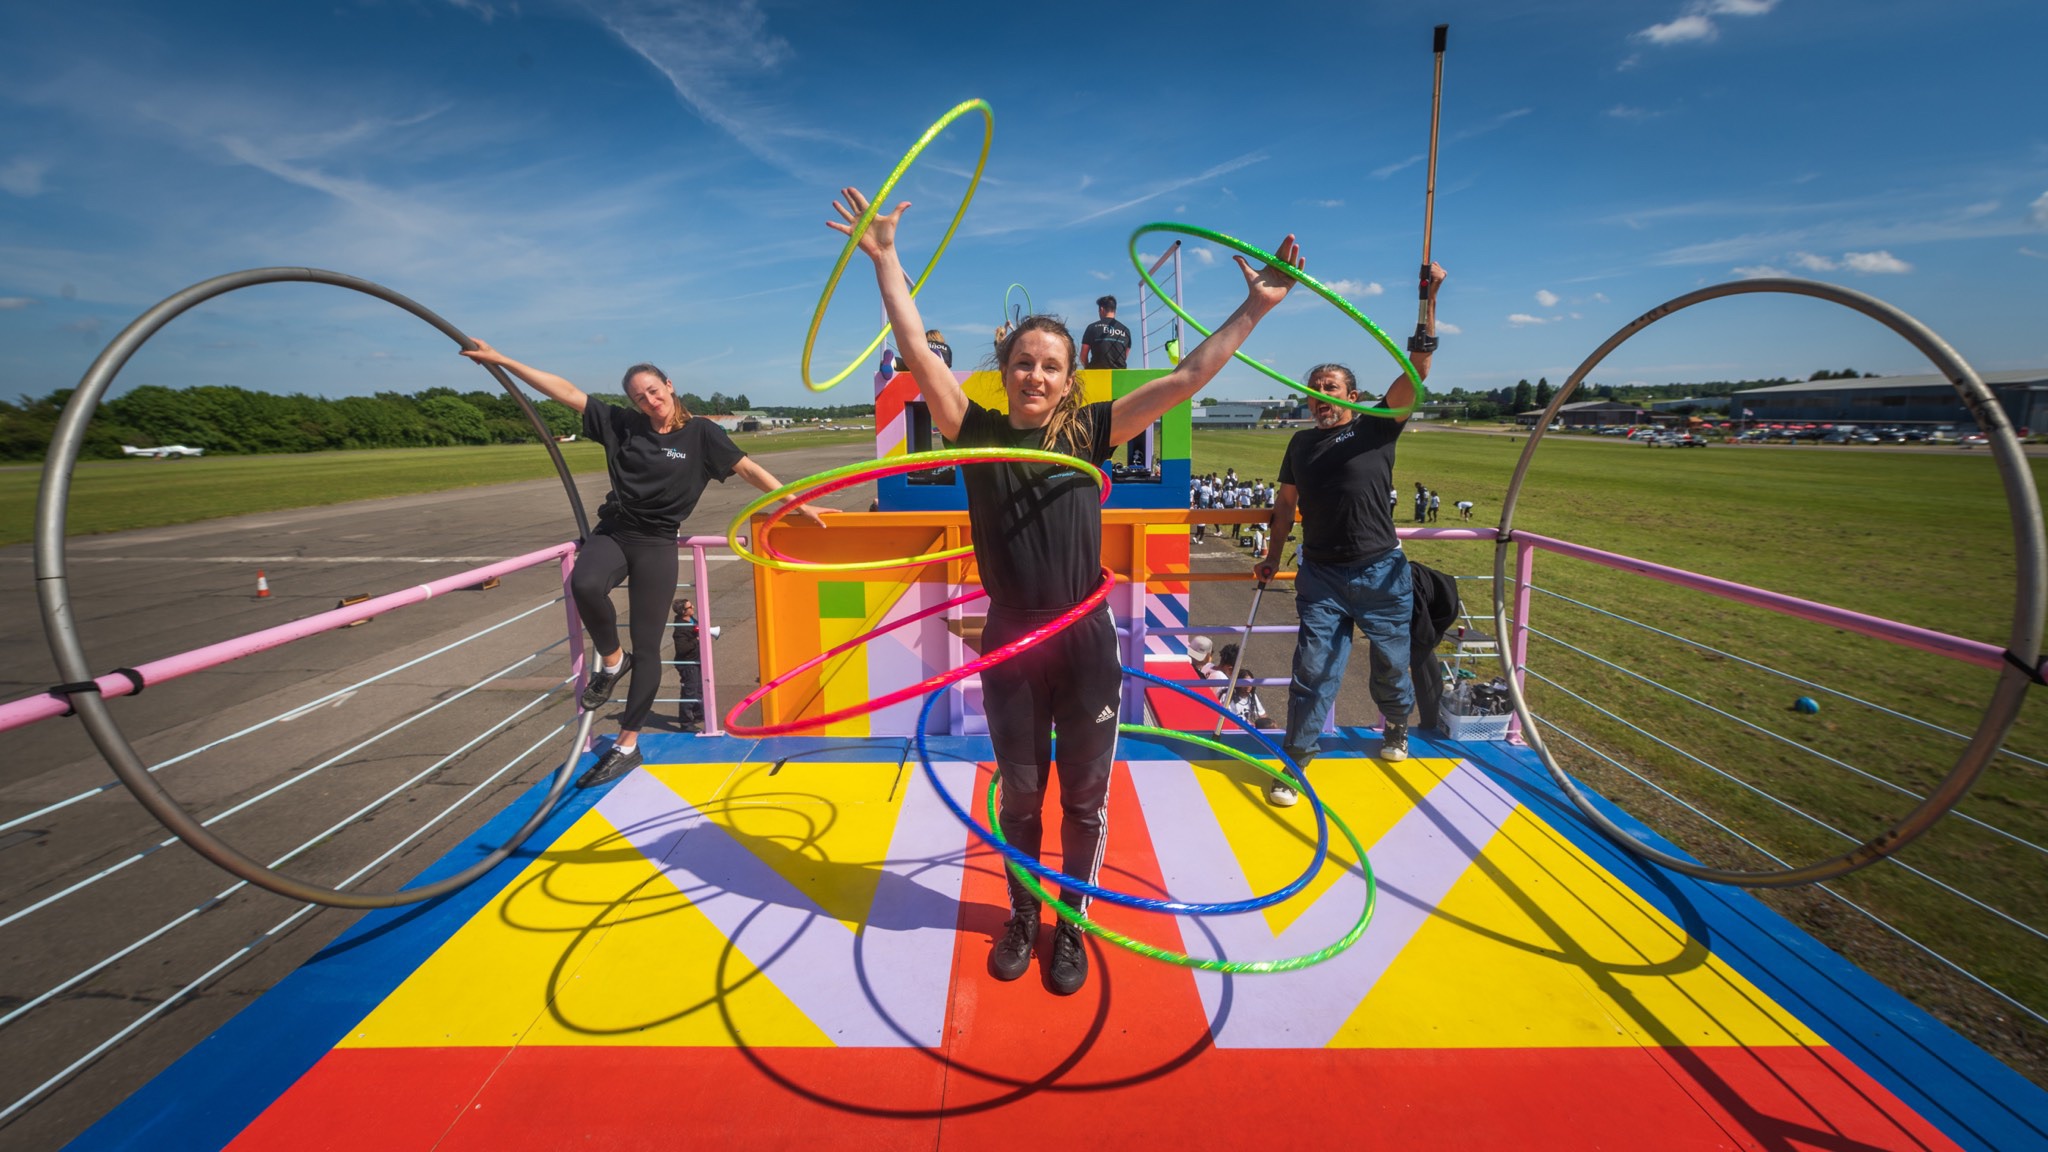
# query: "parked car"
1973,440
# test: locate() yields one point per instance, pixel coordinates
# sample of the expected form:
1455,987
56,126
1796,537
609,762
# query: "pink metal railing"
28,710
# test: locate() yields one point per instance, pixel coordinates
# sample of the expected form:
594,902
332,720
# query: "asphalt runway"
471,727
147,594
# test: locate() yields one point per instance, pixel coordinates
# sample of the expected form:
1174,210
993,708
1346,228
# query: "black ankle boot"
1011,956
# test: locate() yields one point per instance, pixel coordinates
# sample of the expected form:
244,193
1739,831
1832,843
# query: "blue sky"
591,184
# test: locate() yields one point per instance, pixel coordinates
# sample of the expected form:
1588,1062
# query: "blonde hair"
1066,419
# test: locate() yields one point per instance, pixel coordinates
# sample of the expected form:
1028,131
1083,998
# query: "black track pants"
1071,683
648,569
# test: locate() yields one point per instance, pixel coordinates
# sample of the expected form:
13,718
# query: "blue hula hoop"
1023,860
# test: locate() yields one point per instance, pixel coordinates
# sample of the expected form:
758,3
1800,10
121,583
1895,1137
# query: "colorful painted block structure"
804,613
783,943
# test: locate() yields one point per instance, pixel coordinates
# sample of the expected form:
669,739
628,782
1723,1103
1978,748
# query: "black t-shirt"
1109,344
943,350
656,477
1037,528
1339,474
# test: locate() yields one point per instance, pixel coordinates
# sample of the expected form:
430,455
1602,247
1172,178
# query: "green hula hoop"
860,227
1258,254
1006,302
912,462
1080,920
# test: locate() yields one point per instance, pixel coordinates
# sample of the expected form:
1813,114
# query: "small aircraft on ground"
166,452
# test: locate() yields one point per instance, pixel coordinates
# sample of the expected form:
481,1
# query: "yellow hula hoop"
846,476
860,227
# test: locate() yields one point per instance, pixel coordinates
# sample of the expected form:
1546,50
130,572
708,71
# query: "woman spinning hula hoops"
660,458
1037,535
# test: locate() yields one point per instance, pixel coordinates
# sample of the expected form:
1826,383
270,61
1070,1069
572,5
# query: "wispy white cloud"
1322,203
2039,211
1355,287
1204,176
1100,275
478,8
1205,255
1449,329
1546,297
23,176
1812,262
709,50
1689,27
1386,170
1696,23
1879,263
10,303
1759,272
1504,118
2026,251
1629,112
1524,320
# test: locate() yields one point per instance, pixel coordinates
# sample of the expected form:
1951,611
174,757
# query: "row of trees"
236,420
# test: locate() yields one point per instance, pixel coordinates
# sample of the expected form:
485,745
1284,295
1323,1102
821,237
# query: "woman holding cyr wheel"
1037,532
660,458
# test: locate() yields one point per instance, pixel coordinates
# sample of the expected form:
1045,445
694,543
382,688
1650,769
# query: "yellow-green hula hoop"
860,471
860,227
1260,255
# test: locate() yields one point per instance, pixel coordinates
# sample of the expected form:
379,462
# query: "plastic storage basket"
1474,729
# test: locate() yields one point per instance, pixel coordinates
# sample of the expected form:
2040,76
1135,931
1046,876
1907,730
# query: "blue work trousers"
1378,597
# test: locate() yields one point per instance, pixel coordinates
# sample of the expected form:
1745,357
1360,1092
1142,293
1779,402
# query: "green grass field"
1922,537
1918,536
114,495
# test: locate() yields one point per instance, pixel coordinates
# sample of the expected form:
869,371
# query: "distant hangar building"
1886,400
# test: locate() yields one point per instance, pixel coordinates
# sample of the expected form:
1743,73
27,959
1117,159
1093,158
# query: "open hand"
1269,285
881,234
813,513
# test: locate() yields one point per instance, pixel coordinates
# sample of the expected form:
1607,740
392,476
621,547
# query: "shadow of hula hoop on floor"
2023,644
53,597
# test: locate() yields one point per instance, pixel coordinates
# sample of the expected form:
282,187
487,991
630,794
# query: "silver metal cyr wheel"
2024,641
52,593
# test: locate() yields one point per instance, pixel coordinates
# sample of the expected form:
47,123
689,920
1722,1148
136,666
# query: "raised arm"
1402,393
942,394
546,383
1135,411
752,472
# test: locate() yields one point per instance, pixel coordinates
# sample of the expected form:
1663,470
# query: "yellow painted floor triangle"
824,827
1272,844
591,944
1538,946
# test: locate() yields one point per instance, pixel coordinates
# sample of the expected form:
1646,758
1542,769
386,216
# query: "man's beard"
1327,416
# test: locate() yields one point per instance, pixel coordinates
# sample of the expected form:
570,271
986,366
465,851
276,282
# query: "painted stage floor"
784,943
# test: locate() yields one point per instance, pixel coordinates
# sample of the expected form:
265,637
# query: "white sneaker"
1280,795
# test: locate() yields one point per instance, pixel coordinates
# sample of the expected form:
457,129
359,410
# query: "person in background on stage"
1352,569
660,458
936,341
1244,699
1037,533
1106,343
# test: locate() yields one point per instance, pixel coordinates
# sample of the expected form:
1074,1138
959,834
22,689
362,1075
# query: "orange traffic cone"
262,585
